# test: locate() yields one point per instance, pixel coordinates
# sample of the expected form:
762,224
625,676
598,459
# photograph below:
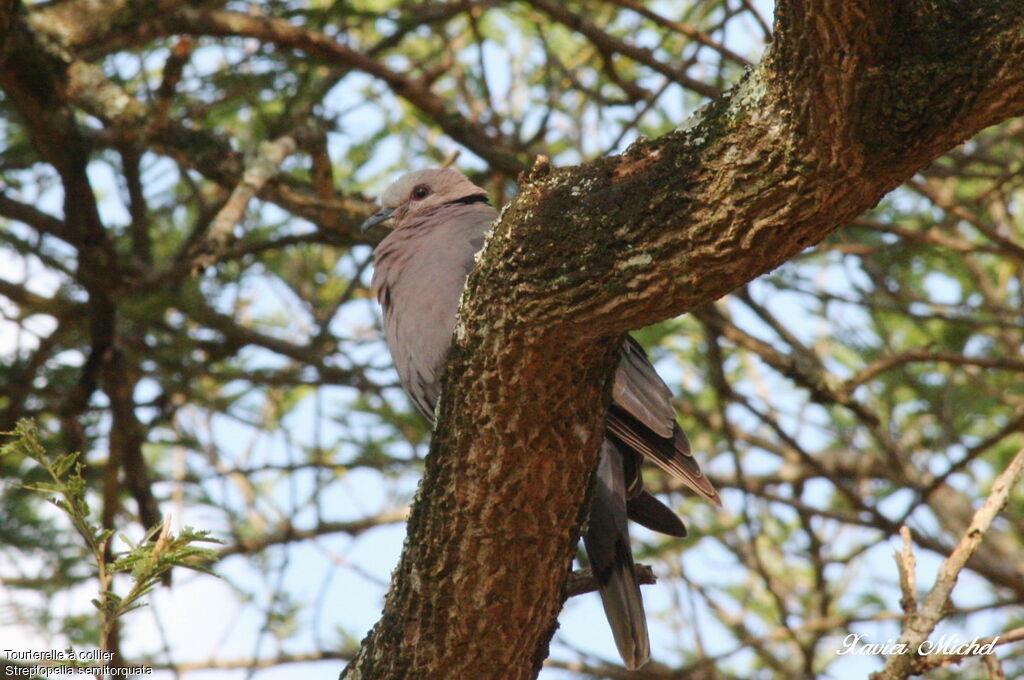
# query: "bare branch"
907,566
258,173
605,41
921,623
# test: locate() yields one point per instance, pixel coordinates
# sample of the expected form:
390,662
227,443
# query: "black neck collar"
467,200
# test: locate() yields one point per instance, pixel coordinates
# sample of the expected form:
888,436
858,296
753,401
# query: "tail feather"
647,510
607,545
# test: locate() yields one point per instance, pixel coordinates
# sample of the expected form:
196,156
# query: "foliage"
148,562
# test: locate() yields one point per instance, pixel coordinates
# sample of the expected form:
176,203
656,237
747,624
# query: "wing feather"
641,392
642,419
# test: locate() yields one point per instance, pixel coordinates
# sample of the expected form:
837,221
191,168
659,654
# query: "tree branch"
256,175
609,43
499,152
920,622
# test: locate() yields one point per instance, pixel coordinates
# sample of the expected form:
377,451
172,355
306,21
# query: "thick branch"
37,219
761,174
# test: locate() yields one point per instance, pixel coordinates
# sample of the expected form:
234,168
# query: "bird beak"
382,215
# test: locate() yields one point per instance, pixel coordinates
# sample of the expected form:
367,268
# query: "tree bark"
851,99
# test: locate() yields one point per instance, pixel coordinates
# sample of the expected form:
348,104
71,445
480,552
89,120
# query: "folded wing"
642,419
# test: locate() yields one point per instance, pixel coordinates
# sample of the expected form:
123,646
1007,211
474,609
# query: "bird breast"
418,278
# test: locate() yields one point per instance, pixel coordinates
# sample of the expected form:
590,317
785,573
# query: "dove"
439,220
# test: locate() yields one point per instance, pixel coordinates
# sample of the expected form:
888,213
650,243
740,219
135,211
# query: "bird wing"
642,418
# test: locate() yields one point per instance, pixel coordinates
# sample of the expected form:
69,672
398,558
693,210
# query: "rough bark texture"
851,99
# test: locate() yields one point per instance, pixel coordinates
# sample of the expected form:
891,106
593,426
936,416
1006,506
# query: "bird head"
418,192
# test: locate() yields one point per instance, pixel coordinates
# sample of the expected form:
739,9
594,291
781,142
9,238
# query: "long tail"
611,559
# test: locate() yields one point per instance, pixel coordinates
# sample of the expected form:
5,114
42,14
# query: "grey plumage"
440,219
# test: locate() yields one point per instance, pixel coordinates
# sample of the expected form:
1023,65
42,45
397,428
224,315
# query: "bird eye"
420,192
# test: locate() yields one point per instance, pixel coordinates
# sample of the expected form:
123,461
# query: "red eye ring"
420,191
